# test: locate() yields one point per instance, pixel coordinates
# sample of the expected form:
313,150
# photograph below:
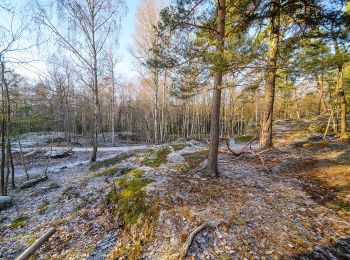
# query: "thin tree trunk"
342,100
97,104
113,107
215,111
270,80
3,126
22,159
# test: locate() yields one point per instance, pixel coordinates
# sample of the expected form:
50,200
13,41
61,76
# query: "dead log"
36,245
31,183
32,153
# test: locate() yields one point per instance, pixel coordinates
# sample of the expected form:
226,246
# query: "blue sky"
125,67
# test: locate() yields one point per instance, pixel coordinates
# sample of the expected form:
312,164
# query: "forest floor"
138,203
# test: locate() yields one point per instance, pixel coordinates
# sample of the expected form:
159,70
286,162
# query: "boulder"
58,154
32,183
5,201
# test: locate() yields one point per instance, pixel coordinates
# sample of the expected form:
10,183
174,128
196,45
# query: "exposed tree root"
189,241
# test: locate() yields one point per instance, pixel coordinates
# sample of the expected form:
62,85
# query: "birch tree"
145,53
90,23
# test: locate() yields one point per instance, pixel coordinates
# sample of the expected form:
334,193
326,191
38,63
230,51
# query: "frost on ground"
147,205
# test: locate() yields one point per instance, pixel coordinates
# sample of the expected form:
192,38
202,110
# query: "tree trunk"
215,110
95,92
342,100
270,78
3,127
113,109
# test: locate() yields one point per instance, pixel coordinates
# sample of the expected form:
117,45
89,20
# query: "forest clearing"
298,206
174,129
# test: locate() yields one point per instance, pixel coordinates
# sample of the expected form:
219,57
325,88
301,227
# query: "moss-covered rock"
19,222
156,157
129,201
128,197
107,172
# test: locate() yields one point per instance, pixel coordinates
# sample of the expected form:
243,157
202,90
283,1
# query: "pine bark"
215,111
270,78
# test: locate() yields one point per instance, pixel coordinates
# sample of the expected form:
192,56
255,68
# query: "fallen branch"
36,245
242,152
249,143
229,148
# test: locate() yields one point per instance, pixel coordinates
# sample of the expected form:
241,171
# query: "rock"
57,154
5,201
31,183
315,138
219,235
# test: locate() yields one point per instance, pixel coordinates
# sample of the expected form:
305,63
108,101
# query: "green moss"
179,146
109,162
156,157
32,240
44,207
19,222
108,172
127,196
243,138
